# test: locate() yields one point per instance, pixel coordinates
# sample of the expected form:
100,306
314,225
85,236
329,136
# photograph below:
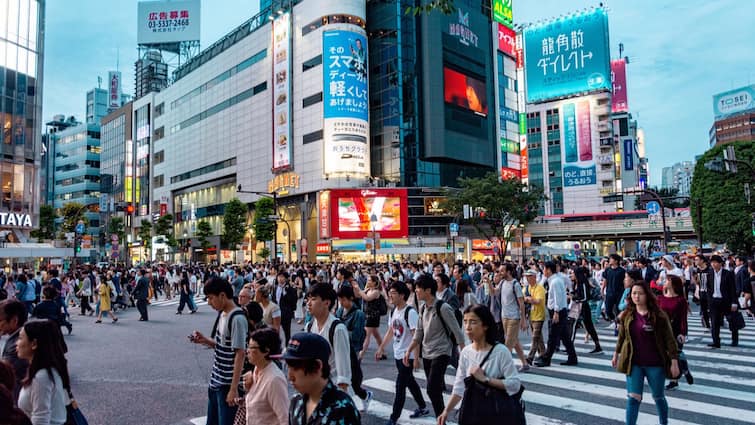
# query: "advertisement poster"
324,216
503,12
567,56
507,40
345,104
464,91
628,154
619,102
570,133
354,212
584,130
579,176
160,22
733,102
281,93
114,89
525,163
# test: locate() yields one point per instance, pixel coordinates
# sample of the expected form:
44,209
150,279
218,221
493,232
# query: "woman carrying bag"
486,382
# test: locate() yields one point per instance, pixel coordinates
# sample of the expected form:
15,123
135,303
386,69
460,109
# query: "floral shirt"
335,408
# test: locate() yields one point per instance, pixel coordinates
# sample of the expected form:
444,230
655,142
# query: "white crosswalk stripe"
198,300
594,393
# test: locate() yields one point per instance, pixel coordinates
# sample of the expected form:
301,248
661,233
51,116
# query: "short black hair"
444,279
401,288
345,291
216,286
310,366
425,281
323,290
346,273
14,308
253,311
50,292
616,257
54,272
268,340
550,265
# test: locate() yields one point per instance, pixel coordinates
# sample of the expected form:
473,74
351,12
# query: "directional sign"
613,198
653,207
454,229
80,228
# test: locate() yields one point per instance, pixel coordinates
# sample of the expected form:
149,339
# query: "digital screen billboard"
345,104
352,211
464,91
619,102
734,101
567,56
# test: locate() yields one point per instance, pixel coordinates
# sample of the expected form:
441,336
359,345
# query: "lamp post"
521,231
185,248
373,222
274,196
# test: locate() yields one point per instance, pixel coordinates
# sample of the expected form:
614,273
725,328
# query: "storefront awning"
34,250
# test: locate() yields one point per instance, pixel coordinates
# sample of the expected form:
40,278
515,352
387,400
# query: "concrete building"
679,177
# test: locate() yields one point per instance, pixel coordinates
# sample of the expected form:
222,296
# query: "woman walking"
581,294
266,387
646,348
371,295
674,303
105,291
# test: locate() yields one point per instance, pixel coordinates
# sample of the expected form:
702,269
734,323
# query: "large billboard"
165,22
577,128
503,12
619,101
465,91
567,56
345,104
734,101
355,212
282,152
507,40
114,89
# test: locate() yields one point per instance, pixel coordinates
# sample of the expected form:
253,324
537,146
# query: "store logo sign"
462,31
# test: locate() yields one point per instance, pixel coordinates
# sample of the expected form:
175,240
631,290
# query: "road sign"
454,229
617,197
80,228
653,207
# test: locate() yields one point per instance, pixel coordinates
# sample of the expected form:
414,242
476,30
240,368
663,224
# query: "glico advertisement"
567,56
345,104
353,213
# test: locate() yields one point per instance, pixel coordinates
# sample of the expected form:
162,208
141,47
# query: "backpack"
230,323
382,306
594,293
356,367
459,318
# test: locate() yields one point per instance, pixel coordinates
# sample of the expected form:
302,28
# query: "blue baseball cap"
307,346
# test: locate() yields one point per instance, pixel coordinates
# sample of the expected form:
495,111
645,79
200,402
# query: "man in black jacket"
141,293
722,300
12,318
286,298
646,269
741,274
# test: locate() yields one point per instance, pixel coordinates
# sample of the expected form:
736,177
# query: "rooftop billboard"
567,56
734,101
165,22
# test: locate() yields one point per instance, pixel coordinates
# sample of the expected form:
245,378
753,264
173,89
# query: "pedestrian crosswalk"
594,393
199,300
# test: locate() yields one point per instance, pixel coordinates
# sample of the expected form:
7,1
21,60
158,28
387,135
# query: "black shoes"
570,362
688,376
672,385
596,350
714,345
541,362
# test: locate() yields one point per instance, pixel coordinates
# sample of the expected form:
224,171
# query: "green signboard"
522,123
503,13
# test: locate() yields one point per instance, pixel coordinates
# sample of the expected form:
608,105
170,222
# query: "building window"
203,170
331,19
158,181
259,88
312,137
312,63
159,109
311,100
159,157
159,133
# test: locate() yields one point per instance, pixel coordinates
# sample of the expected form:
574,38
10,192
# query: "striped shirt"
226,346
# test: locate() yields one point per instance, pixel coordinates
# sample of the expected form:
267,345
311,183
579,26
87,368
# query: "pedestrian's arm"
386,339
238,364
341,351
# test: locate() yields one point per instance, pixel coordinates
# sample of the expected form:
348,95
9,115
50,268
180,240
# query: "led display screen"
464,91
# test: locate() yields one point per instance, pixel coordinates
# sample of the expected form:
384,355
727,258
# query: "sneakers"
688,376
366,402
672,385
596,350
524,369
420,413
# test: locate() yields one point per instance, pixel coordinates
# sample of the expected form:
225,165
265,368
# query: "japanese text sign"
579,176
161,22
619,101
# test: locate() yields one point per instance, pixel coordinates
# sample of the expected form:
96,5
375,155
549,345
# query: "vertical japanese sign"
114,89
619,102
570,133
507,40
324,216
567,56
525,163
345,104
503,12
628,154
281,93
585,130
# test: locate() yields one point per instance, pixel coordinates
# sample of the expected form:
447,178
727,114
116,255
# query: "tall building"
151,73
734,116
21,70
97,105
115,136
679,177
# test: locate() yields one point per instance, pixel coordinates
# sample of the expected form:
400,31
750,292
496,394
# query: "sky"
681,52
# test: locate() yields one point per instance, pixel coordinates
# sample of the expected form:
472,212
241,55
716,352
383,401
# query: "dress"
104,291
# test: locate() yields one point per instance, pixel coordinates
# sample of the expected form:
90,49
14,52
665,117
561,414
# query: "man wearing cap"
722,300
319,401
534,297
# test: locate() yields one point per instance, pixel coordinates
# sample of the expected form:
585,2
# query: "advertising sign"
568,111
434,206
353,210
619,102
345,104
461,29
114,89
324,217
734,101
524,163
585,130
579,176
507,40
567,56
628,154
162,22
465,92
503,12
11,219
508,173
281,93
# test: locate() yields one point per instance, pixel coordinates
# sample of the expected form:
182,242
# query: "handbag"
736,321
575,310
73,413
240,418
484,405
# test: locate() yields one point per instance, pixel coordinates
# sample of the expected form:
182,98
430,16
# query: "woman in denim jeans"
646,348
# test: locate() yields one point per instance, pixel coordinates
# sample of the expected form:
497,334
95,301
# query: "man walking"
722,301
13,316
613,281
535,296
512,312
286,298
558,309
141,293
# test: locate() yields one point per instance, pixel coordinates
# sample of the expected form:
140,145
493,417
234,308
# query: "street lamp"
521,231
274,196
185,248
373,221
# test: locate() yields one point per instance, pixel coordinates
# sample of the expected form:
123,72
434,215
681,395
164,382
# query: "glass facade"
202,204
141,159
21,23
112,163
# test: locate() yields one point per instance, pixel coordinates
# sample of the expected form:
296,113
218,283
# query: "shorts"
511,331
373,321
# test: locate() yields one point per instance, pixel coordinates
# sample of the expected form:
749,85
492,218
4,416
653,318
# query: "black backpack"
230,323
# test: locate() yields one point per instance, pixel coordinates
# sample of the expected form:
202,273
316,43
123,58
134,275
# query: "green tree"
46,223
115,227
264,228
234,223
72,213
204,231
498,206
145,233
164,227
426,6
726,214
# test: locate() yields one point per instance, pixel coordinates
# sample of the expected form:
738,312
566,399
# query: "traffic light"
448,244
129,208
752,224
78,248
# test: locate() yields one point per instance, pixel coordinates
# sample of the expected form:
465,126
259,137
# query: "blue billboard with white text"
567,56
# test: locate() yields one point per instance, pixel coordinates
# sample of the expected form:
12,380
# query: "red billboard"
354,212
525,164
464,91
619,102
510,173
507,40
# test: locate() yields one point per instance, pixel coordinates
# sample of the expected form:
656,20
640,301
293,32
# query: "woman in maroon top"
674,303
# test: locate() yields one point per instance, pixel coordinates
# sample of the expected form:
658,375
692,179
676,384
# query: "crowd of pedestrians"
466,318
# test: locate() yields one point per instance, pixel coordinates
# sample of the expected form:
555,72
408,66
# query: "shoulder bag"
73,413
484,405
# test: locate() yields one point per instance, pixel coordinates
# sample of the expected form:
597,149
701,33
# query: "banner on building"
619,101
507,40
165,22
503,12
585,130
628,154
114,89
282,153
734,101
345,104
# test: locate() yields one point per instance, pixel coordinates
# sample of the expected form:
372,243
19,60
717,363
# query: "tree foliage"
498,206
115,227
46,228
164,227
145,233
725,211
445,7
264,228
72,213
234,222
204,231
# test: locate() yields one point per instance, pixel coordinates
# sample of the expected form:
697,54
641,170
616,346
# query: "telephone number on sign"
168,23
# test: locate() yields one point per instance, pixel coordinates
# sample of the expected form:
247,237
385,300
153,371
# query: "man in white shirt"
558,308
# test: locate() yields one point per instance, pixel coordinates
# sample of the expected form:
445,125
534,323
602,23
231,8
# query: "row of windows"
311,100
331,19
312,137
77,180
70,167
246,94
219,79
204,170
79,194
311,63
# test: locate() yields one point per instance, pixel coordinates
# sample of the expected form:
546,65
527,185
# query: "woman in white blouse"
498,371
44,391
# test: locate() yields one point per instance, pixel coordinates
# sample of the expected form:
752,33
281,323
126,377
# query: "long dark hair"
50,352
486,317
650,301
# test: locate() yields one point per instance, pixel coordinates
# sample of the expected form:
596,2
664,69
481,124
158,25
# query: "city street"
148,374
